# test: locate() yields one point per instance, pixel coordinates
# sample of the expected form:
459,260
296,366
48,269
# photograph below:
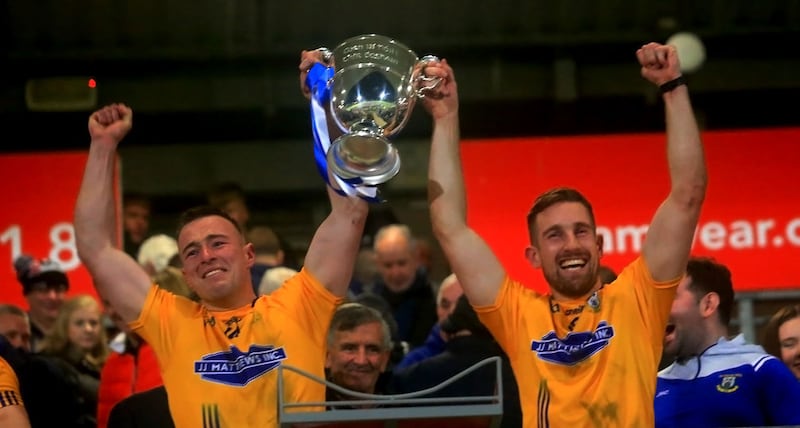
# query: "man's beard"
573,288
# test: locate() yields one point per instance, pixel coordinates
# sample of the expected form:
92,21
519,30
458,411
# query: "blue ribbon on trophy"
317,80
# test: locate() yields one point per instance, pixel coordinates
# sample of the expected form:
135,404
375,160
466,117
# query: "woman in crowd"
782,337
78,341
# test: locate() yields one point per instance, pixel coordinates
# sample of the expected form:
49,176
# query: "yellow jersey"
219,368
587,363
9,386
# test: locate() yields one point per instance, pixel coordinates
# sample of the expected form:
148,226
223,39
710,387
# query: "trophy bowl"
375,84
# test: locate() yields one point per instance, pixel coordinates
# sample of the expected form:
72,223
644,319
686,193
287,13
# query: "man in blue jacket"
715,381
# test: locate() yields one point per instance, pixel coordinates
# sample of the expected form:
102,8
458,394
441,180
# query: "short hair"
553,197
770,340
264,240
203,211
349,316
11,309
708,276
135,198
224,193
395,229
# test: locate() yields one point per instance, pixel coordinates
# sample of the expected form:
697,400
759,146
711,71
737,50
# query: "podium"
420,409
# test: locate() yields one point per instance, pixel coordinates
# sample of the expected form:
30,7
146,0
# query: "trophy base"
362,155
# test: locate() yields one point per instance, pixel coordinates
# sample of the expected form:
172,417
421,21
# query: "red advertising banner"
40,193
750,220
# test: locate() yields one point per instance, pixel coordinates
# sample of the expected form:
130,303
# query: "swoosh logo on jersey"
237,368
575,347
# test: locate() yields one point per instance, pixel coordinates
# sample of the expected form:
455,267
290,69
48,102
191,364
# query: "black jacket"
146,409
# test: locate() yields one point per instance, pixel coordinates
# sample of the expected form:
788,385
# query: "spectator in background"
145,409
157,252
230,197
12,409
269,253
365,274
50,388
274,278
716,381
15,326
425,254
135,221
358,351
781,337
467,343
79,342
606,274
403,284
449,292
45,286
399,347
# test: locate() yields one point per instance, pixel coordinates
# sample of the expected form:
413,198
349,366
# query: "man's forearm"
94,209
684,147
446,191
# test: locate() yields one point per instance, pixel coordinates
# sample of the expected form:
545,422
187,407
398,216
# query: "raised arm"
669,238
470,258
331,256
117,277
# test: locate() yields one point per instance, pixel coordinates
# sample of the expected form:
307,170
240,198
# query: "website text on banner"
750,220
39,197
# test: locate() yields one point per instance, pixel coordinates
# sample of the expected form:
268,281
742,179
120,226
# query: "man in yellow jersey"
12,410
218,356
584,355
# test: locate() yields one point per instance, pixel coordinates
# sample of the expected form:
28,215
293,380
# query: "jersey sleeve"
305,300
653,298
154,325
9,386
502,318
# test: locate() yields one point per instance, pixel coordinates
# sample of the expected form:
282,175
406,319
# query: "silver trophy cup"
375,84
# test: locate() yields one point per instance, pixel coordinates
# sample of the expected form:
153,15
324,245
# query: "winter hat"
32,272
157,250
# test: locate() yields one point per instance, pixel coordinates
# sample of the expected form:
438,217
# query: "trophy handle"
426,83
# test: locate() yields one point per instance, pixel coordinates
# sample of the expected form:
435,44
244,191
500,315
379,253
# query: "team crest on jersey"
575,347
728,383
234,367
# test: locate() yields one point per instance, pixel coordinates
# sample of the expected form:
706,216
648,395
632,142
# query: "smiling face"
685,330
789,339
567,249
44,301
357,357
216,262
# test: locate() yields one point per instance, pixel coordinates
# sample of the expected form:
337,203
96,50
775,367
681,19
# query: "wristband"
672,84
